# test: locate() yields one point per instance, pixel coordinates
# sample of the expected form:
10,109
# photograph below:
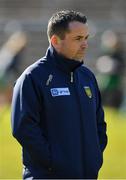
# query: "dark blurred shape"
11,54
111,68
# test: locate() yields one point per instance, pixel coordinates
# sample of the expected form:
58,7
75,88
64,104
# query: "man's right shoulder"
39,65
37,69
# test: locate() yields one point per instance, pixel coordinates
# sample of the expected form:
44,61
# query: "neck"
62,62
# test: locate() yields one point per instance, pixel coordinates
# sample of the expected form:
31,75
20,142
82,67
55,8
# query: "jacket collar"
65,64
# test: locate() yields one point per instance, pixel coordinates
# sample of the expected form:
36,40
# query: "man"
57,115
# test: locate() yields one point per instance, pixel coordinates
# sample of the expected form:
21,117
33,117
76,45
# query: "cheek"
67,47
74,48
70,48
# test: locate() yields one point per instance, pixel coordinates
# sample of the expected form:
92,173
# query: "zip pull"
71,77
49,79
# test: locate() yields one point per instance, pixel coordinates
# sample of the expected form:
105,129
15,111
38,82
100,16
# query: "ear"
55,41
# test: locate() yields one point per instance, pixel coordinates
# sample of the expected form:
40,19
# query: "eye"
86,37
79,38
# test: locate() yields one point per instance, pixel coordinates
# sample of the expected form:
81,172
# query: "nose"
84,44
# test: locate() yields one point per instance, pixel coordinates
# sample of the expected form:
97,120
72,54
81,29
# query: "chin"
79,59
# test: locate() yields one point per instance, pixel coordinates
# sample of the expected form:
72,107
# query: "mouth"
82,51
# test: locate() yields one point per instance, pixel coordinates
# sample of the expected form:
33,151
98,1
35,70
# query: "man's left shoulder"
87,72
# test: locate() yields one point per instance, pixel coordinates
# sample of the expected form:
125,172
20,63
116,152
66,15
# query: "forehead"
76,27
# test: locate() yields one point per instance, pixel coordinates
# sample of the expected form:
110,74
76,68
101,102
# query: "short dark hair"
59,22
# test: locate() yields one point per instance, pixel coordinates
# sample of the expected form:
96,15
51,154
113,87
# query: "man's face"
74,44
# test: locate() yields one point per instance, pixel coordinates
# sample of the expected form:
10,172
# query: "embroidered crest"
88,91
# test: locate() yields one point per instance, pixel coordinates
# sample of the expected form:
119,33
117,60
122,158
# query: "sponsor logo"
60,92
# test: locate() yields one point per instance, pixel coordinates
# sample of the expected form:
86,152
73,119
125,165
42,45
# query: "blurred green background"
114,166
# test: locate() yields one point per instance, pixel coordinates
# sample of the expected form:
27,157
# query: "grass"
10,150
114,156
114,166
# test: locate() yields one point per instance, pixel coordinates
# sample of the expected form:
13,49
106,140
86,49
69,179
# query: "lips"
81,52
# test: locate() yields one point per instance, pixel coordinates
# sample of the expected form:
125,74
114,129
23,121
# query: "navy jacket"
58,119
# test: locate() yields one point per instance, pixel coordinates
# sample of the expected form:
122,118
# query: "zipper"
71,77
81,120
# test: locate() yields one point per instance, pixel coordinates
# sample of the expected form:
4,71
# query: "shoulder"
36,67
87,72
34,71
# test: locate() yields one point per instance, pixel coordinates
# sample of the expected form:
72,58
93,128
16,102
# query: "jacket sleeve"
26,119
101,124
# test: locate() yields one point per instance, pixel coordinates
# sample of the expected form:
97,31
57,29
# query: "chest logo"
88,91
60,91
